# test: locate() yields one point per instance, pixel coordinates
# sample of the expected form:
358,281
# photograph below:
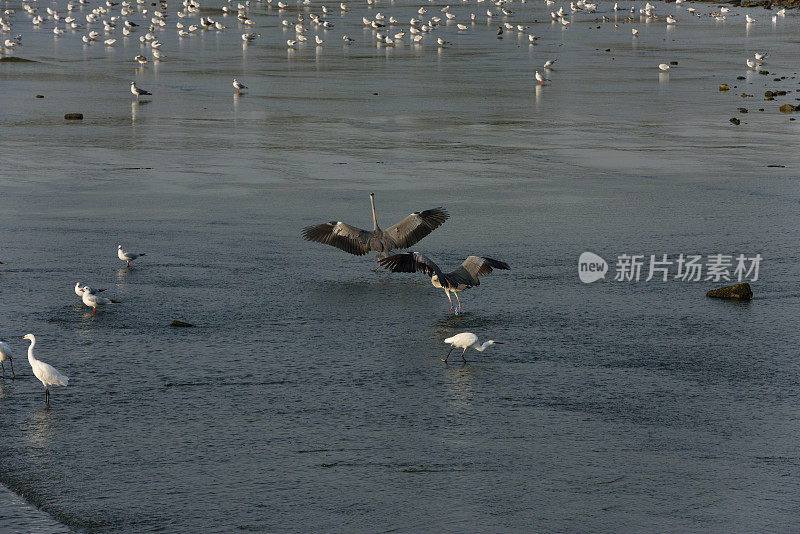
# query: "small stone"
742,110
763,72
39,96
673,63
724,87
741,78
736,121
768,98
787,108
776,79
768,93
738,291
74,116
181,324
780,93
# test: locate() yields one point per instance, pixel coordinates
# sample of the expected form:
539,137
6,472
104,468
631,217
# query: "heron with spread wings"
460,279
359,242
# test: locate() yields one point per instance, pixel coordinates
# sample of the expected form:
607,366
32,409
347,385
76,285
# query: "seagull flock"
143,21
47,374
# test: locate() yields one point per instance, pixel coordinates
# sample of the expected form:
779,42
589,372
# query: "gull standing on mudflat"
359,242
460,279
96,301
128,257
465,340
46,373
541,79
80,288
138,91
238,85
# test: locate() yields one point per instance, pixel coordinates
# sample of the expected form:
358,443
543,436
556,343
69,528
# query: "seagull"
671,19
663,66
238,86
138,91
6,354
441,41
80,289
761,55
141,59
749,19
541,79
460,279
752,64
549,63
95,301
465,340
359,242
128,257
318,40
634,31
46,373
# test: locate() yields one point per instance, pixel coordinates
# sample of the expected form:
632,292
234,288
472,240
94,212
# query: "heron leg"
446,292
13,375
462,354
47,396
459,302
448,355
4,370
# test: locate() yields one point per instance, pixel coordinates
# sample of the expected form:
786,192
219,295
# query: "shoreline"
19,516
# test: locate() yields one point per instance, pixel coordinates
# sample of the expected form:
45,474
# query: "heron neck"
31,357
481,348
374,218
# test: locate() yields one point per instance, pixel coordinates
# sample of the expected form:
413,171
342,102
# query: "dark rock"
763,72
787,108
39,96
736,121
724,87
13,59
74,116
741,78
768,93
780,93
738,291
673,63
742,110
181,324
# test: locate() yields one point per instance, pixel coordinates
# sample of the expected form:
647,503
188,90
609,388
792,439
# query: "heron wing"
50,375
411,262
467,273
416,226
340,235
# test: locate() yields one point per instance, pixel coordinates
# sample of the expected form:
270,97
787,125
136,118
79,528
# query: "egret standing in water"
127,257
6,354
465,340
46,373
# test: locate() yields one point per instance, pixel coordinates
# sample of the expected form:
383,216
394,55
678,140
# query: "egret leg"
47,396
462,354
451,302
448,355
4,370
13,375
459,302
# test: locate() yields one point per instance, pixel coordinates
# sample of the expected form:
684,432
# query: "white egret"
46,373
128,257
6,354
465,340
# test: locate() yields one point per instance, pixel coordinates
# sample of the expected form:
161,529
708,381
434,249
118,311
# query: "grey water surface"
310,397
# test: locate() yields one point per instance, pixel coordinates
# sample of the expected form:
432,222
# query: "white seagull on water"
138,91
238,86
128,257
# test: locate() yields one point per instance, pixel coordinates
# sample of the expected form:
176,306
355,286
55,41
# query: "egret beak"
499,343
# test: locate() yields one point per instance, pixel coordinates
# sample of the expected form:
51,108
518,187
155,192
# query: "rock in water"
724,87
74,116
738,291
181,324
787,108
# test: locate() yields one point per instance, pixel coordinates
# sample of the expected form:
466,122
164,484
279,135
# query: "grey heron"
359,242
465,340
460,279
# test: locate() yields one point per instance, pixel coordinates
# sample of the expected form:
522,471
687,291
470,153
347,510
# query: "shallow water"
310,396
